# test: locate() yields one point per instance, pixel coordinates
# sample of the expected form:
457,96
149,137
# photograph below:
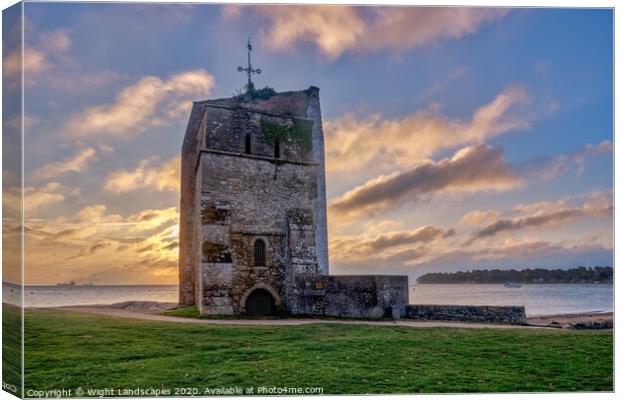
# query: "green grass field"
11,349
70,350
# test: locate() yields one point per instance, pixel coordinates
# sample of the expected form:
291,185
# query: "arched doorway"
260,302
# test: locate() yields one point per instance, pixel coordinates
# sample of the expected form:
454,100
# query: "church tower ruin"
253,223
253,213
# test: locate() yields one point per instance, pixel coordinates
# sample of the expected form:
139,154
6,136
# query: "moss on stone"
273,131
300,132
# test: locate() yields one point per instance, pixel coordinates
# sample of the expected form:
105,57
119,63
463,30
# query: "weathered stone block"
216,234
304,269
216,252
217,273
214,213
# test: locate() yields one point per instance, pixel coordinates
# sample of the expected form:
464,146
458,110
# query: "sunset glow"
455,138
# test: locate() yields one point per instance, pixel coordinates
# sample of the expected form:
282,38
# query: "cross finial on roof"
249,68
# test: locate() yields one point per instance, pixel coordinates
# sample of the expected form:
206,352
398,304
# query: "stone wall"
245,198
226,130
493,314
352,296
313,112
301,104
257,192
188,253
214,168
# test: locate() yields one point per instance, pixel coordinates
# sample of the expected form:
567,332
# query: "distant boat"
512,285
72,283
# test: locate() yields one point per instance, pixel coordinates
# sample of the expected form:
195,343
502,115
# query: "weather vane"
249,69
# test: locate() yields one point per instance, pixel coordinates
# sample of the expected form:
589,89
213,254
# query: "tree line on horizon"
528,275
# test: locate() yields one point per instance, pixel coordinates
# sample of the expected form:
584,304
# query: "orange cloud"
576,161
598,207
409,27
151,101
332,28
385,244
33,63
57,41
97,246
339,29
477,217
148,175
73,164
35,198
355,144
38,56
150,219
472,168
433,247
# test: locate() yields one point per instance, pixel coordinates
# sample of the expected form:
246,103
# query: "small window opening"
277,149
248,144
259,253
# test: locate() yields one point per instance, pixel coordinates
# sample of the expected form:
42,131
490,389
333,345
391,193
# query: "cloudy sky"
455,137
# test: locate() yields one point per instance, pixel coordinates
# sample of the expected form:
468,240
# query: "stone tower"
253,213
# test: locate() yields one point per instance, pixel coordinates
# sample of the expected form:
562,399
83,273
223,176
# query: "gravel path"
120,313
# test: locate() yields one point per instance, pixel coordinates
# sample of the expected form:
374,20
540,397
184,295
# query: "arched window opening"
277,149
259,253
248,144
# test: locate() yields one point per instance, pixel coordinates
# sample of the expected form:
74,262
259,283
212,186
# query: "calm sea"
537,299
58,296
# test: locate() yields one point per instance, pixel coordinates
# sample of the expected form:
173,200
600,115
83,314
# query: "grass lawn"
11,349
183,312
70,350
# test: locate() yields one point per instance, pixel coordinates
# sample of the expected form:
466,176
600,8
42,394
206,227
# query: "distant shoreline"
579,275
522,283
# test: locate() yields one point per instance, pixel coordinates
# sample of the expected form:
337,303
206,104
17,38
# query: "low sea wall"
493,314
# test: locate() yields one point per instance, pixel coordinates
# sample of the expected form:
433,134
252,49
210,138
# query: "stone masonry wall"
353,296
258,193
493,314
227,128
301,104
244,199
188,253
301,249
217,129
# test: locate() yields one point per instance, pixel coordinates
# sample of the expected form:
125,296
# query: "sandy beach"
579,321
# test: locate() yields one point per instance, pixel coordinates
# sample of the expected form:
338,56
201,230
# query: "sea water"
538,299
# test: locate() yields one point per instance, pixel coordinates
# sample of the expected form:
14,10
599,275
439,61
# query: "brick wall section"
493,314
351,296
